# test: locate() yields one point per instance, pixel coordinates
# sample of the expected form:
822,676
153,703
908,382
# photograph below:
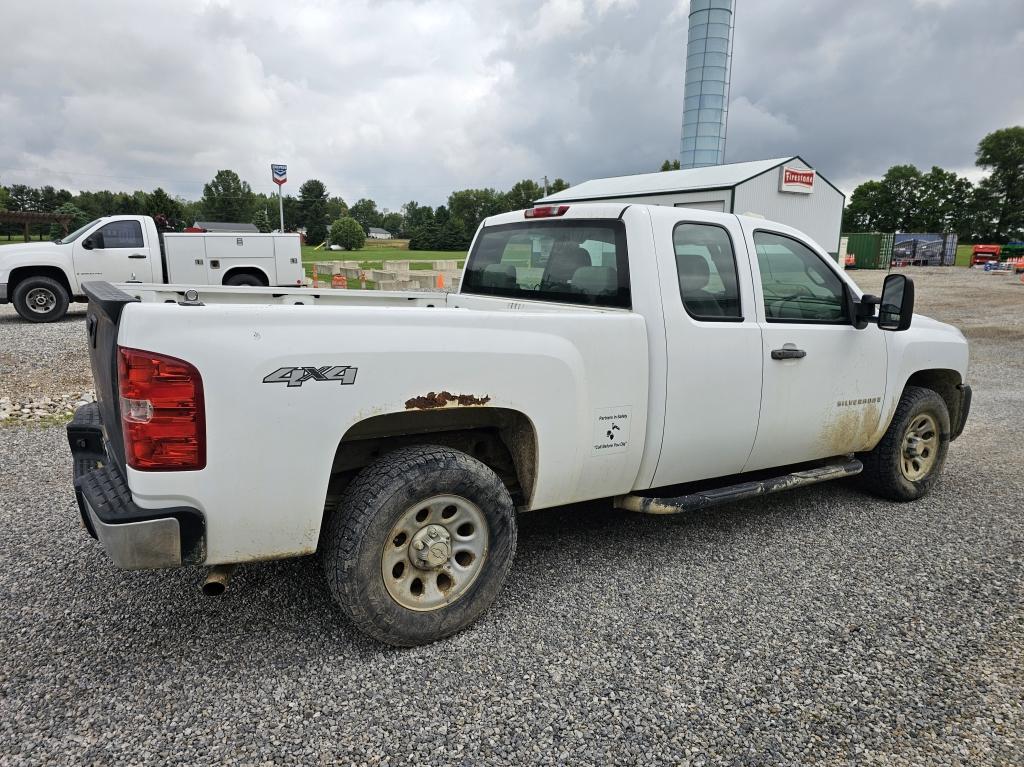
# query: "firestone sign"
799,180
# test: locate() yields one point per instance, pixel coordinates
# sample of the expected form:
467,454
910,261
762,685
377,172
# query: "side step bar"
703,499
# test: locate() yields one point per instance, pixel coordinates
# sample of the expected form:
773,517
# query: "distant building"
225,226
784,189
376,233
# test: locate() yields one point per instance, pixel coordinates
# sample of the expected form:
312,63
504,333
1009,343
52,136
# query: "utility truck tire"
419,544
40,299
907,462
244,280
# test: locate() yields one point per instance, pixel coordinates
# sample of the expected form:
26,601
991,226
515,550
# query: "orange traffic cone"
440,282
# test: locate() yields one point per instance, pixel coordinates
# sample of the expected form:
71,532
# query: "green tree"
262,221
523,194
670,165
21,197
1002,153
292,214
366,213
394,222
50,199
227,198
313,210
5,198
159,203
78,218
336,208
348,233
468,207
416,216
946,202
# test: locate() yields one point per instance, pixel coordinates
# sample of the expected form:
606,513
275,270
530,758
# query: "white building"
376,233
785,189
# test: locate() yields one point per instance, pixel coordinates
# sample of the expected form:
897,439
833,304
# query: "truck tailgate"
101,323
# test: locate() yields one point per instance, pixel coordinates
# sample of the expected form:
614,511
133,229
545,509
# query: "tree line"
906,199
227,197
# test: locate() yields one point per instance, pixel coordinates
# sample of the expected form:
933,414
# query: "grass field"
376,252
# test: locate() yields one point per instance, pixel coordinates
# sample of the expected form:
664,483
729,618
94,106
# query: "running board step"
705,498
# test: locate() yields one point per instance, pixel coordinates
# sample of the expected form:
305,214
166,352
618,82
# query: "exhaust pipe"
217,580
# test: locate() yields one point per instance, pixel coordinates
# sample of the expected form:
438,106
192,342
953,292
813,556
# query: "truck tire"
907,462
40,299
419,544
244,280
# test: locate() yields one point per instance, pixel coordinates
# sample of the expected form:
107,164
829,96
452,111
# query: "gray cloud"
409,99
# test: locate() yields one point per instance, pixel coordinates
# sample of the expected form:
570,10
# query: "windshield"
78,232
570,261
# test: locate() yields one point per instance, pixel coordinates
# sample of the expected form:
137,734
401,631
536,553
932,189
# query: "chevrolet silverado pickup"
668,359
42,278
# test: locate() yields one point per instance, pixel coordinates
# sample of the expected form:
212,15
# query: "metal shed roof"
711,177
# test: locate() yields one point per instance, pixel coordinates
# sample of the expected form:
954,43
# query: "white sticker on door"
611,430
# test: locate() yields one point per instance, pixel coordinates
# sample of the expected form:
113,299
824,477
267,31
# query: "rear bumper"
965,410
133,537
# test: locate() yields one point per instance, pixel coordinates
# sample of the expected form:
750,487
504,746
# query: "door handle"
137,255
787,353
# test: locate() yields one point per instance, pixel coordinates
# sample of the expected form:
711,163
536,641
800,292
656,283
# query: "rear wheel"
420,544
40,299
907,462
240,280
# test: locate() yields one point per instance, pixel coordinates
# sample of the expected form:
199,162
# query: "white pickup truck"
669,359
42,278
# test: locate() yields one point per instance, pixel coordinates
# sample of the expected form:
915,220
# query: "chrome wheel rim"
920,447
434,552
41,300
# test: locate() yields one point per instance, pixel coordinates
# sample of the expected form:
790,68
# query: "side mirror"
864,310
897,305
94,240
87,243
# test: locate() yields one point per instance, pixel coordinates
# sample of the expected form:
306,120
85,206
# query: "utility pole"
545,186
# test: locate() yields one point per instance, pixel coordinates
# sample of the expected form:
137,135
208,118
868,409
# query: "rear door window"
706,269
576,261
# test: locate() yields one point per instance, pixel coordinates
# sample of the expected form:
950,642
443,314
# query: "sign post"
279,174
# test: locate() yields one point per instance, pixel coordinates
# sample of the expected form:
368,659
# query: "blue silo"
706,91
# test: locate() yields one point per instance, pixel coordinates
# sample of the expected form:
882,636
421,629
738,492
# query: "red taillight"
547,211
161,412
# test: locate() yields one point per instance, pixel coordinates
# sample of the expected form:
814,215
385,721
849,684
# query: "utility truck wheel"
909,459
419,545
40,299
243,280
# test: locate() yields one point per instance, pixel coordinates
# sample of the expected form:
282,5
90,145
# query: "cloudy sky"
410,99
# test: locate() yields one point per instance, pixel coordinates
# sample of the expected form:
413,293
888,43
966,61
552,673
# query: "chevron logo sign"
279,174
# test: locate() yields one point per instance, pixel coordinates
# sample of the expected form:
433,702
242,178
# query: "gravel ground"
48,359
818,626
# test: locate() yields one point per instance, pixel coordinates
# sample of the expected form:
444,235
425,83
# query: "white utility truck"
42,278
666,358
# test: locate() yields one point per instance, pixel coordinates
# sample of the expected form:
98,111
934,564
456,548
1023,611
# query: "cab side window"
122,234
796,283
706,269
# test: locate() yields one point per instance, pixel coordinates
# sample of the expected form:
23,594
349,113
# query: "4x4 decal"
342,374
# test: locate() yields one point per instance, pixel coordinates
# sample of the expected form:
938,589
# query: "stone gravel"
818,626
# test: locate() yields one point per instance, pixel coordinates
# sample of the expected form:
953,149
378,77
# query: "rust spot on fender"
433,400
